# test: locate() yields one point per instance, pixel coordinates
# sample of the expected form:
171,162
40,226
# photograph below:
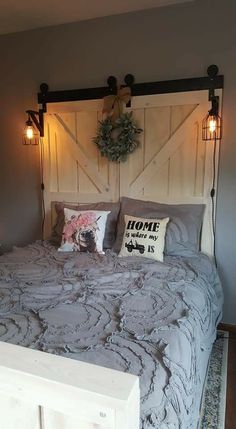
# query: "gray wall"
166,43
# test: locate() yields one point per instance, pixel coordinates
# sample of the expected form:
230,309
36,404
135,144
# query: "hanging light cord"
42,187
213,205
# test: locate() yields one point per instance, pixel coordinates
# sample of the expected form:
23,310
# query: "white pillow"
144,237
83,231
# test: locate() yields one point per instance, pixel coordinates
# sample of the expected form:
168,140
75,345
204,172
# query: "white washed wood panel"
134,165
18,414
171,164
167,151
74,171
54,420
75,106
103,163
158,186
67,166
50,171
50,151
200,164
183,166
86,126
183,162
91,393
174,99
136,161
179,171
78,153
74,151
179,114
157,130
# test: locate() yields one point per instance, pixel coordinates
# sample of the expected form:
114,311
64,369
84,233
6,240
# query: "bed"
124,322
154,320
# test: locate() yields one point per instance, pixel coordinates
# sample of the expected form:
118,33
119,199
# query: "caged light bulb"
30,137
212,125
29,132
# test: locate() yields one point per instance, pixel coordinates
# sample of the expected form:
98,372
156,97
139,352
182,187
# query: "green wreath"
117,139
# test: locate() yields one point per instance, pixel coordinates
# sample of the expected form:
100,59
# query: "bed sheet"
155,320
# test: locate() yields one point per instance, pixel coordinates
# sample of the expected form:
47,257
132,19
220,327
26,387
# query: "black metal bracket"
44,88
212,72
214,111
37,119
211,82
37,116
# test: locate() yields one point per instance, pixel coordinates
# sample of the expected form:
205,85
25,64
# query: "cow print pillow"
144,237
83,231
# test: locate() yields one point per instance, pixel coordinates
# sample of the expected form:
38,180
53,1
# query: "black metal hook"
38,120
44,88
212,72
129,79
112,83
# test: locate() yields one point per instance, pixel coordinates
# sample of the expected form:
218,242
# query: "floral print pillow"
83,231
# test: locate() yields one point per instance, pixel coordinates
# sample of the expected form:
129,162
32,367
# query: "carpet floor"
214,395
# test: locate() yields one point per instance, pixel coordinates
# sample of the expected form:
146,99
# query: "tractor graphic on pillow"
135,246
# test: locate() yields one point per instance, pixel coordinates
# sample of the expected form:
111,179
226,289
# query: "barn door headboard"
171,165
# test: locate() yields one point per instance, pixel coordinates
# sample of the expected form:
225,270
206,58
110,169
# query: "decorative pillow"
83,231
110,233
183,230
144,237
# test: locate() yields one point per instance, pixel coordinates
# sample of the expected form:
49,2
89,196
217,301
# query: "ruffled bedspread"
154,320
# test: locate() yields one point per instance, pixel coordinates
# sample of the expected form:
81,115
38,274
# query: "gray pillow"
183,230
110,233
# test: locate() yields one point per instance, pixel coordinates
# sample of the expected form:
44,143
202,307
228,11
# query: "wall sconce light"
212,130
212,123
34,127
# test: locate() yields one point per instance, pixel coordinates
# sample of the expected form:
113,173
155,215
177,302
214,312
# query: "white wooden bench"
43,391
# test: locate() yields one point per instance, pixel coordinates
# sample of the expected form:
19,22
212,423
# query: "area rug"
214,395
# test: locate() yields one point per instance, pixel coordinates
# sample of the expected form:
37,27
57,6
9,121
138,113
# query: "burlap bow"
113,104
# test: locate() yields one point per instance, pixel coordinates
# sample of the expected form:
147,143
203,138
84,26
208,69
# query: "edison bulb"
29,132
212,125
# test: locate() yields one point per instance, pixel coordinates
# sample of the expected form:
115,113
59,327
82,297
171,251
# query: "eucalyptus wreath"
116,139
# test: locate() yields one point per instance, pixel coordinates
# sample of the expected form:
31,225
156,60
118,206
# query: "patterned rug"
214,395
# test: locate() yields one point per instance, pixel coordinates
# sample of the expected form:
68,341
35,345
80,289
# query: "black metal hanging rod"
211,82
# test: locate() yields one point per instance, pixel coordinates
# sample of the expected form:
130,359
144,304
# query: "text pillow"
83,231
183,229
144,237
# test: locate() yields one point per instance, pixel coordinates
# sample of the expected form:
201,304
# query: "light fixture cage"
34,140
207,132
212,123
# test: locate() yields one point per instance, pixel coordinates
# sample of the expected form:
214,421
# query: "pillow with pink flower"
83,231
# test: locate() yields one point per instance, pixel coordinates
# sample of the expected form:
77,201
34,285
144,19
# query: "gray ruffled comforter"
154,320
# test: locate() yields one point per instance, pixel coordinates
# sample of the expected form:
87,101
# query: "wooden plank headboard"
171,165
